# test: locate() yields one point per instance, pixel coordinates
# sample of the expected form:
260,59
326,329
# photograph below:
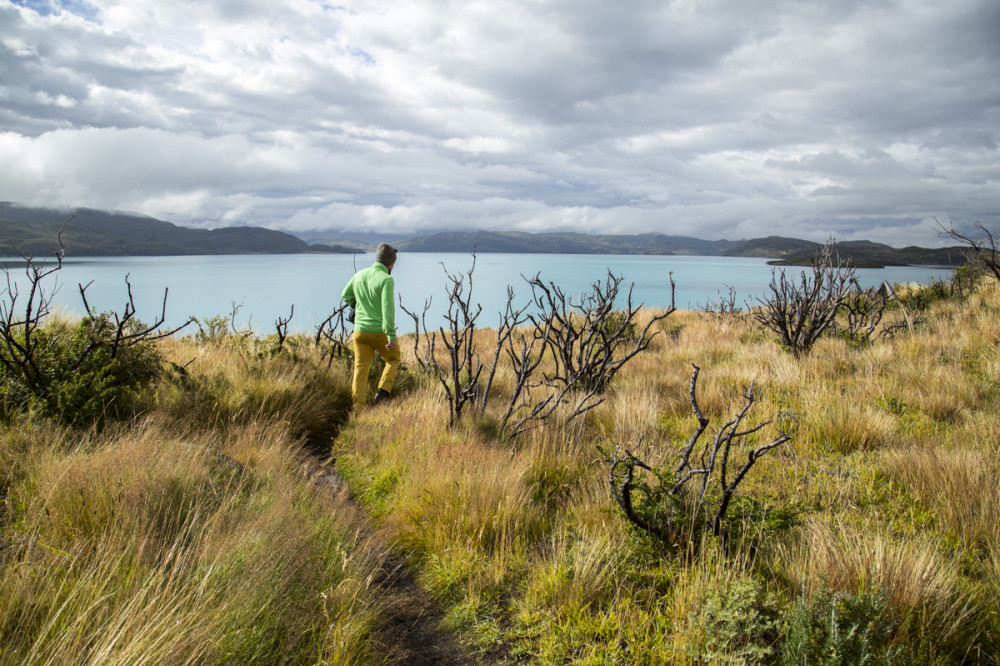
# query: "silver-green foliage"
830,629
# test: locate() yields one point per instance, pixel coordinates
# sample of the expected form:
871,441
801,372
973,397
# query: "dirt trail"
411,630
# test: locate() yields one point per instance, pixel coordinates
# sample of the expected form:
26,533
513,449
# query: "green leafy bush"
831,628
965,279
78,373
212,330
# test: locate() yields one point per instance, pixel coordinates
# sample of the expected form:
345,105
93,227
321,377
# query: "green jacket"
370,292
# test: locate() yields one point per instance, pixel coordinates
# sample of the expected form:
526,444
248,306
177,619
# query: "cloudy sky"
711,118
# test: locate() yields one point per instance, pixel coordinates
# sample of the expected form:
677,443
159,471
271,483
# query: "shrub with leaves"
832,628
77,375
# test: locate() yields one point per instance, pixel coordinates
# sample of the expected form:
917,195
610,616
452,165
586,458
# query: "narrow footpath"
411,628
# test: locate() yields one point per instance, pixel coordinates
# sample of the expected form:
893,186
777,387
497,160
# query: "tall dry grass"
234,381
523,540
144,548
923,583
958,485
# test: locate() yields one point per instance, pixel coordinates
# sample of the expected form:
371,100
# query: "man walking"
370,292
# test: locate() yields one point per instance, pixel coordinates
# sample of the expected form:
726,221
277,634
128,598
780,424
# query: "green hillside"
35,231
866,254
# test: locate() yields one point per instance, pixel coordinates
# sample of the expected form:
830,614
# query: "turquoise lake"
265,287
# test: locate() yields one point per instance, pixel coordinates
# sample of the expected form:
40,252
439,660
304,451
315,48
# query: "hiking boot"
381,396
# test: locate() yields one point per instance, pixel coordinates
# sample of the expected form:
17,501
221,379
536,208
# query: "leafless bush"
333,331
800,312
460,379
425,358
281,324
678,502
982,246
588,342
862,311
724,306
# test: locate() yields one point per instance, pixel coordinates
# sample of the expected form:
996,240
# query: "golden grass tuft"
922,584
221,386
847,427
958,485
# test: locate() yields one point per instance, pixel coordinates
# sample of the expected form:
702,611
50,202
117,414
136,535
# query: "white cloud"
714,118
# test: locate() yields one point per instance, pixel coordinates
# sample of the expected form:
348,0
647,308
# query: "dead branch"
281,324
333,330
982,247
621,477
713,461
510,320
800,312
425,359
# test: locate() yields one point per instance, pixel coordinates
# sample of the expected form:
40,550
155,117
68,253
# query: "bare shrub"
459,376
725,306
333,332
281,325
588,342
982,246
586,337
461,379
677,507
425,358
800,312
862,311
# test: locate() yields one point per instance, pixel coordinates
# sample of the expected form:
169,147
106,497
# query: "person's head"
386,254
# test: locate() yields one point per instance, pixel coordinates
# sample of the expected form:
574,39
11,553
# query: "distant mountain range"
785,251
34,231
863,254
563,243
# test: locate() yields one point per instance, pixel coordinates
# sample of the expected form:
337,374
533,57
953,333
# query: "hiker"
370,293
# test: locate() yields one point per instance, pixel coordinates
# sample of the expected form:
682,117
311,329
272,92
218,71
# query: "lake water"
266,286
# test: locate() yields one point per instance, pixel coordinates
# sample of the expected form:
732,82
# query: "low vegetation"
191,528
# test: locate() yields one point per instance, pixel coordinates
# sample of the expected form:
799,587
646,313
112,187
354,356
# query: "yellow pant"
365,346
